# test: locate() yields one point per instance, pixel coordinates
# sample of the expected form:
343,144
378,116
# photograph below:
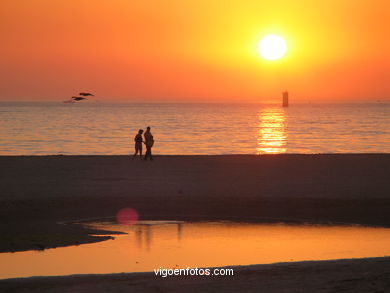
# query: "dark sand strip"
347,276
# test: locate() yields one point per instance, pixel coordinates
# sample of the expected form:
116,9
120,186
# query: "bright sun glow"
272,47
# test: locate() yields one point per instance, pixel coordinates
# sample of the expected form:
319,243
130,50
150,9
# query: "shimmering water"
98,128
151,245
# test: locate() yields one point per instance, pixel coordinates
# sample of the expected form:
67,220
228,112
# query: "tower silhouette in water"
285,99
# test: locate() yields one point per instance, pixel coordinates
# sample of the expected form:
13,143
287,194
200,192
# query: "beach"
357,276
267,129
41,195
303,188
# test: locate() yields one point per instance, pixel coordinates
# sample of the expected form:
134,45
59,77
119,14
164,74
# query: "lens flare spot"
127,216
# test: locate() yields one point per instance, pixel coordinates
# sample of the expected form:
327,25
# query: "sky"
194,50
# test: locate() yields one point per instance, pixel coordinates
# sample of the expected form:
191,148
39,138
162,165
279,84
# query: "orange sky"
194,50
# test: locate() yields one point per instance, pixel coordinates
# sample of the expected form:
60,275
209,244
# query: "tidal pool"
149,245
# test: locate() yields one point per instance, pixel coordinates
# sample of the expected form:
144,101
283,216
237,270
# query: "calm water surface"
98,128
151,245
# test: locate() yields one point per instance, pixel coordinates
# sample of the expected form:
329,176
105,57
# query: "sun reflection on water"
148,245
272,135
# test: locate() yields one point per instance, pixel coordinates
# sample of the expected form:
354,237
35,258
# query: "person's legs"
148,153
136,152
138,148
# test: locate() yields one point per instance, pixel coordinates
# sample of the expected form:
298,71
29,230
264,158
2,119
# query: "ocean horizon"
99,128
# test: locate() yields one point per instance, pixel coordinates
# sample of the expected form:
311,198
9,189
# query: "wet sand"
38,192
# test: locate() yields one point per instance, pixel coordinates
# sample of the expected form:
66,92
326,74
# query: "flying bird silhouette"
79,98
86,94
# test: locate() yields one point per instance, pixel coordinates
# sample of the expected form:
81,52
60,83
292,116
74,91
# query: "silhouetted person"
138,144
149,141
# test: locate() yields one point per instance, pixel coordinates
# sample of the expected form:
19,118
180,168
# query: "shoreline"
38,192
196,155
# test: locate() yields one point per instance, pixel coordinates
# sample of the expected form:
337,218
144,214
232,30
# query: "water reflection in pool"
150,245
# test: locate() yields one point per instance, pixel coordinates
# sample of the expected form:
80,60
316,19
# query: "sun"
272,47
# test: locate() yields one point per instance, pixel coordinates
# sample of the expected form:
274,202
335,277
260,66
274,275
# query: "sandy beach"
267,129
357,276
39,192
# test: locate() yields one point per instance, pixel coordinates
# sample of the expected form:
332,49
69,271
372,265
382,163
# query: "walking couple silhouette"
147,140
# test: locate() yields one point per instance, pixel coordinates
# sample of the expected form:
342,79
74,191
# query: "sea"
93,128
